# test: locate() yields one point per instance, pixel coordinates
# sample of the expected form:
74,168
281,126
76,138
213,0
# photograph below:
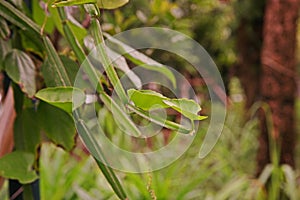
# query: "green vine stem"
159,121
27,192
22,21
89,69
82,58
103,165
97,35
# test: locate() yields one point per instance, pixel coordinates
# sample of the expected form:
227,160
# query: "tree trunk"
249,41
278,83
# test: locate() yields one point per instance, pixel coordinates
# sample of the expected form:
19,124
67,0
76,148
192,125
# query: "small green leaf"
18,165
21,70
57,125
62,97
39,14
187,107
79,32
146,99
55,17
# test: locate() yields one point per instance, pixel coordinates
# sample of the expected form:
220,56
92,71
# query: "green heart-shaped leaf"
146,99
21,69
62,97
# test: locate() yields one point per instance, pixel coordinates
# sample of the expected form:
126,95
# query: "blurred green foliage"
209,22
226,173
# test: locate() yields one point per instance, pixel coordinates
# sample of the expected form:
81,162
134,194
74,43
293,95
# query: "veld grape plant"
47,103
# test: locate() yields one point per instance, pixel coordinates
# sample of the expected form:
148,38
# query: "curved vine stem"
97,35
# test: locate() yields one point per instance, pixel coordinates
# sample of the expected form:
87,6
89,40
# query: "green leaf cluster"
43,83
148,99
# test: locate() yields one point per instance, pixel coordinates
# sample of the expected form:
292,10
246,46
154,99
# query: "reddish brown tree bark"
278,83
249,41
